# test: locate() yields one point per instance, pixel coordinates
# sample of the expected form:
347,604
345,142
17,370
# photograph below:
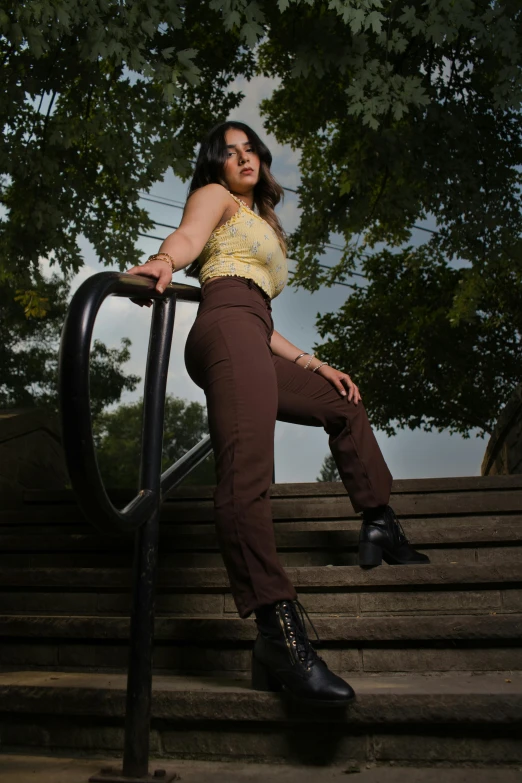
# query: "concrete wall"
504,450
31,454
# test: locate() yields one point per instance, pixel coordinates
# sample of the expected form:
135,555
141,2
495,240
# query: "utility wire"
164,201
164,225
158,201
324,266
178,205
167,225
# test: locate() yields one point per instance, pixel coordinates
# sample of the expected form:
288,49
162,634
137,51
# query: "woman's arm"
204,210
282,347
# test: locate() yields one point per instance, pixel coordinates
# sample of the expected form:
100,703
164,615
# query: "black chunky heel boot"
284,659
263,679
382,538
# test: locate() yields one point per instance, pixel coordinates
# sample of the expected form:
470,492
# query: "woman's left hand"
342,382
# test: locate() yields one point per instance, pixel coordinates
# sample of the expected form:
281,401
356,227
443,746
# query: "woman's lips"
247,171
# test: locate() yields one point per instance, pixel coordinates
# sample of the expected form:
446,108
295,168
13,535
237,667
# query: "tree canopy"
405,112
118,438
99,99
415,121
29,349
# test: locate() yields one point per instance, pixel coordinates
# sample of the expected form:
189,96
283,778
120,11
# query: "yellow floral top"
245,246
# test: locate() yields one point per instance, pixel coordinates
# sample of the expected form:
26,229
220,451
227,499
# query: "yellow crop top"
245,246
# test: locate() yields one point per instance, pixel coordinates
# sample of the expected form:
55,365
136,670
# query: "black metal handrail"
141,515
76,409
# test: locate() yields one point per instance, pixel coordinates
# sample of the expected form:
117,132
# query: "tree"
118,438
99,99
329,470
404,111
416,116
416,367
31,324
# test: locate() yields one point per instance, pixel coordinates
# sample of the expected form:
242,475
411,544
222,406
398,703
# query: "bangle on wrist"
319,366
299,357
162,257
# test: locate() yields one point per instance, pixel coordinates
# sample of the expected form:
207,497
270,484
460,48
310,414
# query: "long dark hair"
209,169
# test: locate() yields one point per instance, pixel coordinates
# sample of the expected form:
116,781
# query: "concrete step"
475,719
498,555
492,540
342,590
431,530
308,534
212,579
410,498
332,629
59,769
372,644
307,489
200,510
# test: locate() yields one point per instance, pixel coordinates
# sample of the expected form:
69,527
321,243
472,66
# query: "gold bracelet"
158,257
155,258
319,366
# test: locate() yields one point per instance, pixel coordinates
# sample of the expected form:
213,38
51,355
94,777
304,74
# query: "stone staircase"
434,652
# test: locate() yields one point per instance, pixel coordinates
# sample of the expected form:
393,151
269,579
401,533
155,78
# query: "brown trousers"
247,388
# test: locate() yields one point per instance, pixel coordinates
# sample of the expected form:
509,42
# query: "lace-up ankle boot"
284,659
382,538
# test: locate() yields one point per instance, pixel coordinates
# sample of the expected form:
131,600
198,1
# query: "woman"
251,376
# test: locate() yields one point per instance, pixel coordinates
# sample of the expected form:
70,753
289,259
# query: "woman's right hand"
157,270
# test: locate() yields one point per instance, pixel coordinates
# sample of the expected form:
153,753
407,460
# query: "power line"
178,205
429,230
324,266
164,225
352,274
163,203
150,236
337,282
174,201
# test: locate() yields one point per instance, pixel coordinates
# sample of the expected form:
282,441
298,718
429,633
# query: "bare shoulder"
212,194
204,211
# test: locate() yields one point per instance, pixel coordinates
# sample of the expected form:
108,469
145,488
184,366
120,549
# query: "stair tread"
415,504
348,577
488,698
219,629
321,534
413,684
306,489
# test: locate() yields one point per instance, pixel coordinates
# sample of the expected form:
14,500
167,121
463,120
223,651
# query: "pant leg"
228,355
307,398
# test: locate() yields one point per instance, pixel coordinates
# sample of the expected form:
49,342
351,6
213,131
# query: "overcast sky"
299,451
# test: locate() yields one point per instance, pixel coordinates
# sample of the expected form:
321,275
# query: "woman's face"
241,170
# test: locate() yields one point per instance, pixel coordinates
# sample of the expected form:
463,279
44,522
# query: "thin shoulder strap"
237,200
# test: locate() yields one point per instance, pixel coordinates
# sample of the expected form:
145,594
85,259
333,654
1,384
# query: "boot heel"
370,554
263,679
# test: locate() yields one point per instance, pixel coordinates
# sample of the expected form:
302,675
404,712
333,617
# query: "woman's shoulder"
210,193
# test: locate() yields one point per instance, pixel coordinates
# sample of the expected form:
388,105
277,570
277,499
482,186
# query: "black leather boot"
284,659
382,538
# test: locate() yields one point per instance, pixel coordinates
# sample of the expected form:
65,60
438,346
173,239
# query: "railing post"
142,513
139,681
